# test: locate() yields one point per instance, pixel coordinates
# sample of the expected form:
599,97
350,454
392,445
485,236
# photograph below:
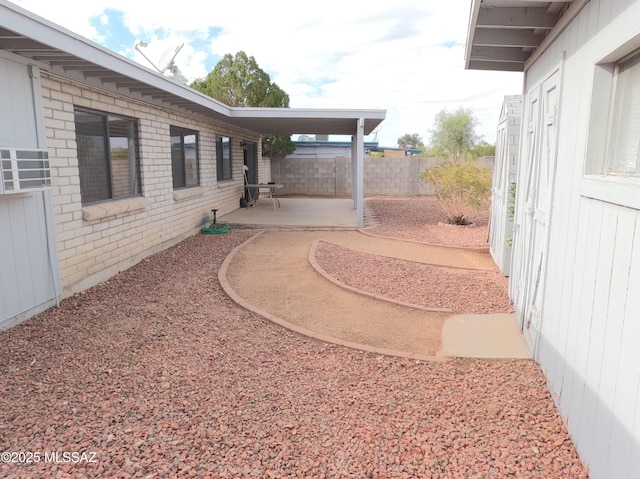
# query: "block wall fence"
332,176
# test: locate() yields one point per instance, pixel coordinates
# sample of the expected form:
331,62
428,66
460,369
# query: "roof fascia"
300,113
473,21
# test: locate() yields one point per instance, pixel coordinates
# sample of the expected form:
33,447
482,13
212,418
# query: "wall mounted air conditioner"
23,170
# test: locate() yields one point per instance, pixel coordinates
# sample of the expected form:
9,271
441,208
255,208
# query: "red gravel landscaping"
418,218
157,374
460,290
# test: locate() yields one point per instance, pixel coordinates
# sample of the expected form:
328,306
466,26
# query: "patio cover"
28,38
509,35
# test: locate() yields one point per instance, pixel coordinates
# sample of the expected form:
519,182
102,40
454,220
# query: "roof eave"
509,35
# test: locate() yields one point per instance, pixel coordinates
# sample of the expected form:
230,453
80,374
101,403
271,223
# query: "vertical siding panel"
628,377
583,312
594,7
16,129
604,13
18,227
39,272
634,461
610,342
8,288
573,318
596,329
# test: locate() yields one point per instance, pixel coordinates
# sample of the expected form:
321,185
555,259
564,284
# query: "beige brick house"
105,161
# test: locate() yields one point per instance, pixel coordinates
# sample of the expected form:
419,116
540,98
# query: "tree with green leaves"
454,133
482,148
239,81
411,141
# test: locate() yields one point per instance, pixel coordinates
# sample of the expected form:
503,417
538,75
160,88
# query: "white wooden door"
535,217
522,231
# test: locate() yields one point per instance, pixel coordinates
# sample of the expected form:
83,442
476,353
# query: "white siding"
590,324
28,274
17,108
504,175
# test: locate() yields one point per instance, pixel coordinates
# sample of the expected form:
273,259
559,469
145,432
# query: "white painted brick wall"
92,251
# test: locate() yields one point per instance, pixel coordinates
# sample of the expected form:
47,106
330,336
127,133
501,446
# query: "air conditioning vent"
24,169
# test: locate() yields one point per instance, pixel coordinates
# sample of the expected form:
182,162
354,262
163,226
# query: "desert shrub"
462,188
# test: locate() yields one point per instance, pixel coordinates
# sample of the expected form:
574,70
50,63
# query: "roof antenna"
167,60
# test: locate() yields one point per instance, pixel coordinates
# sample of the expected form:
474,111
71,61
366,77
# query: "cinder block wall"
332,176
96,241
307,176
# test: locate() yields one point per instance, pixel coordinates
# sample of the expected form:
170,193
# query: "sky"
403,56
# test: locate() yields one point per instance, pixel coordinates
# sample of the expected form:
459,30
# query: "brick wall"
332,176
98,240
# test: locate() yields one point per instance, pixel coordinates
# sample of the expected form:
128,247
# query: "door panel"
534,219
251,177
522,231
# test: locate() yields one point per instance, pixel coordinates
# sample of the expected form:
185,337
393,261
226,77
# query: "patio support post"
357,152
353,171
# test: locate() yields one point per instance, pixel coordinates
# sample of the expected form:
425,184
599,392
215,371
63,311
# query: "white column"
354,186
358,153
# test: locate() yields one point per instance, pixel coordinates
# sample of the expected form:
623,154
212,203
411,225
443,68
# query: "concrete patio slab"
296,212
488,336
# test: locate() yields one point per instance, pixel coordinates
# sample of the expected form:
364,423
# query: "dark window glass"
184,157
223,157
107,156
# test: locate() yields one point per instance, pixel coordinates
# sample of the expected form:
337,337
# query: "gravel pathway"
160,375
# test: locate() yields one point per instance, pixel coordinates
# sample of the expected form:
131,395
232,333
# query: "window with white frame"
223,158
612,168
624,136
107,156
184,157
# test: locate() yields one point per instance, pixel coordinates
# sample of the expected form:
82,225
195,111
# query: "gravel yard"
461,290
160,375
418,218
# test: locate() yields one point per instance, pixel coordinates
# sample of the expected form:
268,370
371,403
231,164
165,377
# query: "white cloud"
405,56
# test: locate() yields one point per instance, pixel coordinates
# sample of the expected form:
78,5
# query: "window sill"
186,193
113,208
227,183
619,190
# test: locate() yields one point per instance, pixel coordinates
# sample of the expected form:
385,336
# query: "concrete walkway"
272,275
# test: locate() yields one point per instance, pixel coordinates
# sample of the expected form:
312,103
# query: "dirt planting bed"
160,375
